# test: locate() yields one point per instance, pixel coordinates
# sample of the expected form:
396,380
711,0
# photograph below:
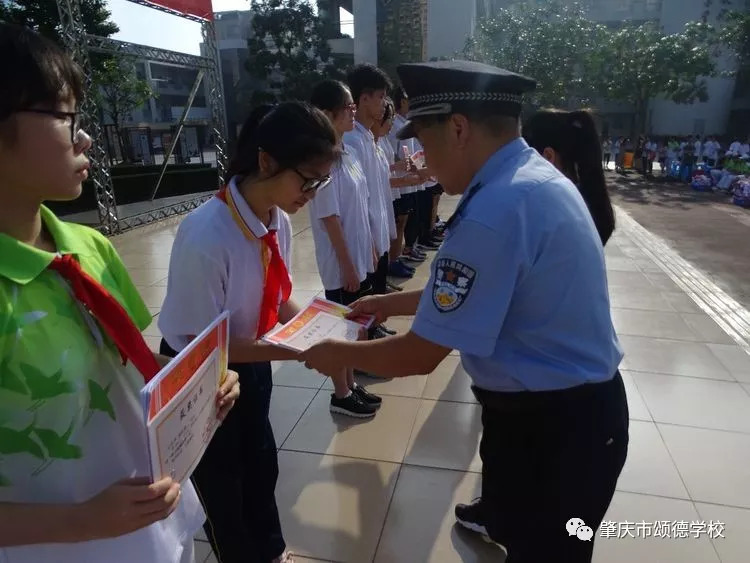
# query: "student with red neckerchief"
234,254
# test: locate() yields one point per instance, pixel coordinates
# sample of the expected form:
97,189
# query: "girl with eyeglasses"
341,230
234,253
74,463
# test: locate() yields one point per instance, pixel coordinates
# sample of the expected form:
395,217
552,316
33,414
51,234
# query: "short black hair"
365,79
398,96
389,111
35,71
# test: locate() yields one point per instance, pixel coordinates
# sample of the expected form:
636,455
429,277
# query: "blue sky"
139,24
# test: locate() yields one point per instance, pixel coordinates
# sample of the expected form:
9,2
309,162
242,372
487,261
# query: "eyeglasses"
73,116
313,184
351,107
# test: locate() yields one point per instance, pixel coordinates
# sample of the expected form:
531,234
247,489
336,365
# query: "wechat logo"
577,527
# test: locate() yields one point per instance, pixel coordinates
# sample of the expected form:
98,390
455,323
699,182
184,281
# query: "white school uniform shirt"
714,150
744,149
698,149
398,123
385,144
345,197
734,148
362,143
215,268
384,168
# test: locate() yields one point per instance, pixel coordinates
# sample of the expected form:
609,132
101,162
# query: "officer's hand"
373,305
321,358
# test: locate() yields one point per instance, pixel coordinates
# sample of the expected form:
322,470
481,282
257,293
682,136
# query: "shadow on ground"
632,187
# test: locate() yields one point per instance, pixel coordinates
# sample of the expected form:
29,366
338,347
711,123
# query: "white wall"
449,25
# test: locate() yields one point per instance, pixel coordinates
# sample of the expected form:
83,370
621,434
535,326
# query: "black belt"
536,400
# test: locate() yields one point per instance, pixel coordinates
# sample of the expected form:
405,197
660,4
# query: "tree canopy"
577,61
288,49
555,44
640,63
42,16
120,91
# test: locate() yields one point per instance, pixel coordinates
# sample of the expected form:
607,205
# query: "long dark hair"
293,133
573,136
329,95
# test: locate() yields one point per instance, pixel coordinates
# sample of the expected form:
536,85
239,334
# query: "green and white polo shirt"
71,422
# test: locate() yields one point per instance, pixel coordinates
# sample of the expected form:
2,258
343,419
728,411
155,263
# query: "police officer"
519,289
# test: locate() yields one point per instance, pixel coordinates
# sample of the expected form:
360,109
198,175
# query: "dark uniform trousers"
548,457
236,478
345,297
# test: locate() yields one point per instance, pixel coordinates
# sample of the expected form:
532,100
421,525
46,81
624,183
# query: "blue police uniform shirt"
519,286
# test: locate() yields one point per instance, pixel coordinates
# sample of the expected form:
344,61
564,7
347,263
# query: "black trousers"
378,280
411,232
347,297
548,457
424,213
236,478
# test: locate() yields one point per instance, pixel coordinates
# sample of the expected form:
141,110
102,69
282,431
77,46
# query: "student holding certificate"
74,461
234,254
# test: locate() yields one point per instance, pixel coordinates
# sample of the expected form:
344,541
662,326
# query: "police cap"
447,87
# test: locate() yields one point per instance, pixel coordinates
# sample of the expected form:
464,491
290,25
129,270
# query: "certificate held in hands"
179,404
319,320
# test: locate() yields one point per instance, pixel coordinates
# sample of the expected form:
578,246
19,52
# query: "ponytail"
587,155
292,133
573,136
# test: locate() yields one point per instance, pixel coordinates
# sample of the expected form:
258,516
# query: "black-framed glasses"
313,184
73,116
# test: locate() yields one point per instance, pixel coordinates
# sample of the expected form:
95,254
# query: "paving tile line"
729,314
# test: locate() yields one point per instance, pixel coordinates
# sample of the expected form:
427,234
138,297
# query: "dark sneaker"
351,406
393,286
379,332
471,516
414,255
360,373
388,331
403,261
367,397
398,270
429,245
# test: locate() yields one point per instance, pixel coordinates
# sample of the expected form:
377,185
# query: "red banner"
198,8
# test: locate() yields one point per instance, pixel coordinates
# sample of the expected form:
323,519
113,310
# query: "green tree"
119,92
641,63
555,44
735,34
42,15
288,49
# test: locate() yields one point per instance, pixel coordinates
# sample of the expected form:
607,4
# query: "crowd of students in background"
672,152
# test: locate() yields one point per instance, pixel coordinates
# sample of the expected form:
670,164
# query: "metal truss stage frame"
80,45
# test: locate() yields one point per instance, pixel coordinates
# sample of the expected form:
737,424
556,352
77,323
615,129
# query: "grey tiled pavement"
384,490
